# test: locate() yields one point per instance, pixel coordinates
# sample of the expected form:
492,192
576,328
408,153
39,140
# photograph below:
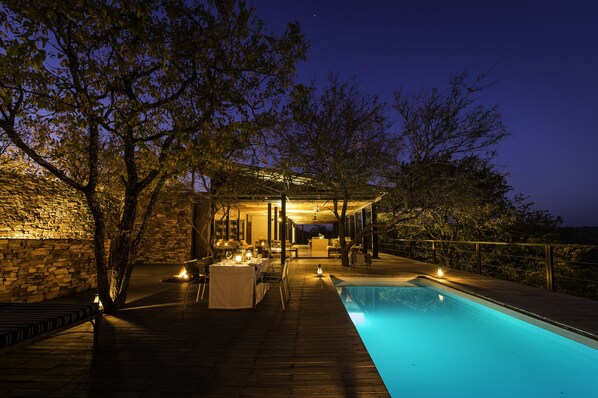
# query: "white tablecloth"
233,286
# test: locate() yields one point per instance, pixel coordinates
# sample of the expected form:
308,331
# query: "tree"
530,225
126,94
448,175
444,176
440,126
437,171
464,199
340,139
14,161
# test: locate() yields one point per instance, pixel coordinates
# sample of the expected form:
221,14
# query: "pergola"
289,199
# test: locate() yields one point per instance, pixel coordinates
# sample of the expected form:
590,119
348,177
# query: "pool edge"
570,332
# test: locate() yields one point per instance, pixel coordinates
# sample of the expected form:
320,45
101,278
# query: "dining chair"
276,271
356,258
204,279
191,268
197,278
193,274
281,279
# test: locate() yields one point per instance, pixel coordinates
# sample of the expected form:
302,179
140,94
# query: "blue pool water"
427,342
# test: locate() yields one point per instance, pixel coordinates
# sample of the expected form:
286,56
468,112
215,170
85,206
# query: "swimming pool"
430,342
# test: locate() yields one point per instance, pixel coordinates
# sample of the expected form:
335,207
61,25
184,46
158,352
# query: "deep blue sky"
544,53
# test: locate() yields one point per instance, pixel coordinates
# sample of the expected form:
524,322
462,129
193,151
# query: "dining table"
237,285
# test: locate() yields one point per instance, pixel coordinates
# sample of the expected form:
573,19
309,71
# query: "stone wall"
167,239
34,208
46,236
39,269
45,240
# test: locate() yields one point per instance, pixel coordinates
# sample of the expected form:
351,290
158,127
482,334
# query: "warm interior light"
248,255
238,258
319,272
440,271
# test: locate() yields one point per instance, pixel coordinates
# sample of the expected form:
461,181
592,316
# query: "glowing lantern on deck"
97,300
319,271
183,274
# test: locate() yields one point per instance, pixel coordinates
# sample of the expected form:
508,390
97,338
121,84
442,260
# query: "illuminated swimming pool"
428,342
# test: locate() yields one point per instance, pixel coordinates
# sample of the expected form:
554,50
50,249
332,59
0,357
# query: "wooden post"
269,226
283,229
247,232
364,242
478,252
238,225
227,230
212,222
549,262
375,253
276,223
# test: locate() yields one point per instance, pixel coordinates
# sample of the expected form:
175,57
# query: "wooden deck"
153,349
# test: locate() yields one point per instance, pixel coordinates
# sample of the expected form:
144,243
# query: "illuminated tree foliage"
339,137
127,94
446,175
462,199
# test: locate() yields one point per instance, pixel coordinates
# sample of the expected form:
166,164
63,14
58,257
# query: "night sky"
544,55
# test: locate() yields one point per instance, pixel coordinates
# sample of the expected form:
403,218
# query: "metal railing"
571,269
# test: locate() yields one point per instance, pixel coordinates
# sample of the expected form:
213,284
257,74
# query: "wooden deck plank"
153,349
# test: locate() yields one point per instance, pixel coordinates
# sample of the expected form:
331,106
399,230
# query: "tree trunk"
121,267
123,251
345,248
341,218
113,277
99,248
345,256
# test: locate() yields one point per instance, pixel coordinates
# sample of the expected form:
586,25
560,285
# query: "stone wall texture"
33,208
39,269
46,237
167,239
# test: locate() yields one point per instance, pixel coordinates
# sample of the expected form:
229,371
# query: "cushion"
23,321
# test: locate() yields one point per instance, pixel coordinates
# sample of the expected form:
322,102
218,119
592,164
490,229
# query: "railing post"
478,254
549,262
433,252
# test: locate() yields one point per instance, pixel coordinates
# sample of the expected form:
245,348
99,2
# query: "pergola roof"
307,203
